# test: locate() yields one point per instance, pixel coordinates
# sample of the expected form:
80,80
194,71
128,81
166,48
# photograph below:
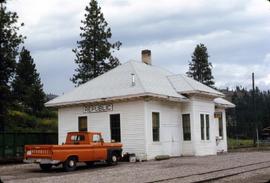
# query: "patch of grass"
239,143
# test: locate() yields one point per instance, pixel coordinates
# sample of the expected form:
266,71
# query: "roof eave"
120,98
203,93
224,105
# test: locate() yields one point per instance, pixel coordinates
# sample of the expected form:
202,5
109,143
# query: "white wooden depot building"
150,110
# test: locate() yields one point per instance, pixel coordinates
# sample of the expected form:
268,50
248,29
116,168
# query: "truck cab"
88,147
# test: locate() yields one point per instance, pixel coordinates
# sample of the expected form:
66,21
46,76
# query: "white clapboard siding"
131,122
204,106
169,143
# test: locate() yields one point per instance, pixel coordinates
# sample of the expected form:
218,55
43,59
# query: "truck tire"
113,159
45,167
70,164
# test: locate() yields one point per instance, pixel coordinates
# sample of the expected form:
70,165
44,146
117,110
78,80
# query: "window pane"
83,123
77,138
115,127
186,127
155,126
202,126
207,127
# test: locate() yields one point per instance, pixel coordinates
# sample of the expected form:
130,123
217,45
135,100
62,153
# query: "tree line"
245,118
248,115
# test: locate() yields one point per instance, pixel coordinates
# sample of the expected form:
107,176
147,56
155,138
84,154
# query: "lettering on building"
98,108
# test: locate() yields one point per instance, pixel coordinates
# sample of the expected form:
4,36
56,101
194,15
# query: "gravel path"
143,171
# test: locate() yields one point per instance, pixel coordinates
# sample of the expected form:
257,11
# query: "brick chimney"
146,57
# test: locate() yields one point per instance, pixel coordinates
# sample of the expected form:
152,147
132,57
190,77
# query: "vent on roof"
146,57
133,79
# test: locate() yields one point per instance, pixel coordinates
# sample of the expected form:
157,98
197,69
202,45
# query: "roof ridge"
171,83
187,82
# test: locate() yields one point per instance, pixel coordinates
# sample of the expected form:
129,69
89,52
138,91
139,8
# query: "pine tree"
200,67
94,53
9,44
27,87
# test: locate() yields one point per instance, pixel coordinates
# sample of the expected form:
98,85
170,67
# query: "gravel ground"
147,171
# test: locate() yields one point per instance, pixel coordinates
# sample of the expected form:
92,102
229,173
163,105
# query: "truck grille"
40,151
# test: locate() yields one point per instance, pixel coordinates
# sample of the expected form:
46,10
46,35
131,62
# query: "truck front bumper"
41,161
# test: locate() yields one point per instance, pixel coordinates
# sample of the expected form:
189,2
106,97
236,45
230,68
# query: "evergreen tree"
200,67
94,52
9,44
27,87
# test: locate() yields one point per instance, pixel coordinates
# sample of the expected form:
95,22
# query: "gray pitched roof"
221,102
184,84
117,83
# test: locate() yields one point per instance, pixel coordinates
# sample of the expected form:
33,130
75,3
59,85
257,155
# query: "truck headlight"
28,153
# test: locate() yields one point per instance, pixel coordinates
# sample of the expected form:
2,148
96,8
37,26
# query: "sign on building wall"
98,108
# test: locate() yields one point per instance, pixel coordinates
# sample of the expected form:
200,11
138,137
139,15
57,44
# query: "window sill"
206,141
187,141
156,143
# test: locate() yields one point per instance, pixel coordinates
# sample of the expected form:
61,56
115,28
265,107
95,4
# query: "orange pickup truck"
87,147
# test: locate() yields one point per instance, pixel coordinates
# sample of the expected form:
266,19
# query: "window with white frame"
82,123
186,127
205,126
155,126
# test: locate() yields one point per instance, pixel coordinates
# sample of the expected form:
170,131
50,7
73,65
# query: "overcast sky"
236,33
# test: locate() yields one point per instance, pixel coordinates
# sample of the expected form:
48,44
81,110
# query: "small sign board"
98,108
218,115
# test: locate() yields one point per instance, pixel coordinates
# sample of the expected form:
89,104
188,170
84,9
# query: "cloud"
236,33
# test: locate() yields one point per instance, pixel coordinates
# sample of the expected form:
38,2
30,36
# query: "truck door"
100,153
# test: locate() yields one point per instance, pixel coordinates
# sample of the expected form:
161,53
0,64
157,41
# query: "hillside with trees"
21,92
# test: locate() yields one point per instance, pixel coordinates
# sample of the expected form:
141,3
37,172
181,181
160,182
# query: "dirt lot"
182,169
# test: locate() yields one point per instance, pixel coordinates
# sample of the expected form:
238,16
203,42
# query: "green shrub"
23,122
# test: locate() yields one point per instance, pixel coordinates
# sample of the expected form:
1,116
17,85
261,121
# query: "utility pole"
2,126
256,133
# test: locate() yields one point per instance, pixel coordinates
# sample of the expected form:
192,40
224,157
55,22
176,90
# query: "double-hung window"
82,123
155,126
205,126
186,127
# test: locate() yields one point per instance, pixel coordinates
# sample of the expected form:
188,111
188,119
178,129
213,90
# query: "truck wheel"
113,159
45,167
70,164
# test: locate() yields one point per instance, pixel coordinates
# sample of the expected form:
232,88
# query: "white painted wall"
204,106
131,122
136,127
170,129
